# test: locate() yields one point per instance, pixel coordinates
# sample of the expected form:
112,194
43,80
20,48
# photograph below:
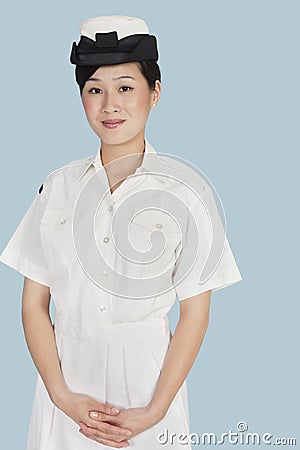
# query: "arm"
182,352
41,343
40,338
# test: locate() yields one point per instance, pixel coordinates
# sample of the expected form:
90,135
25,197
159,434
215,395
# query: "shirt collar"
96,161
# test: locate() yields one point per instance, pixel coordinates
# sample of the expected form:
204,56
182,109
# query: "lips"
112,123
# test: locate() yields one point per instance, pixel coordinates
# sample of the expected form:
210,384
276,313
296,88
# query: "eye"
125,88
94,91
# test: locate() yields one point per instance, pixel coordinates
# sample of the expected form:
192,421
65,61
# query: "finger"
105,408
108,427
100,415
103,439
107,430
109,409
113,444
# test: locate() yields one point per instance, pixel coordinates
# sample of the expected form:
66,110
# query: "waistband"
109,332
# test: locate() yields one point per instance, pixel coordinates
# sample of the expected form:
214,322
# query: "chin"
117,140
113,141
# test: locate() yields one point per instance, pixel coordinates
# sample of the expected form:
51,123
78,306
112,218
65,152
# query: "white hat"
123,25
113,40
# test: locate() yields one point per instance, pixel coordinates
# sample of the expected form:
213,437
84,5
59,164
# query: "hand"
82,408
137,419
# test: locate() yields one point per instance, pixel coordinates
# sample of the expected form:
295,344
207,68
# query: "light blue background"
230,105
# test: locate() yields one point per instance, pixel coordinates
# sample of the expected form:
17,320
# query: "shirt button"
159,226
104,273
63,221
106,239
102,308
110,208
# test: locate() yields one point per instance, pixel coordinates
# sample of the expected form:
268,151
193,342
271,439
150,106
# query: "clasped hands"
106,424
115,429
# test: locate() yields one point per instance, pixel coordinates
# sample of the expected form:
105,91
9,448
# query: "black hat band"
107,49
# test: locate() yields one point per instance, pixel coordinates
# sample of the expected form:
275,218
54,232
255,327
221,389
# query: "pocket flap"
56,218
154,219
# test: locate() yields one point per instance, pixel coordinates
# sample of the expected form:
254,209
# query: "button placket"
108,252
103,238
103,226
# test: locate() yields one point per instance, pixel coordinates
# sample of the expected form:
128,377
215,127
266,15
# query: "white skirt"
118,364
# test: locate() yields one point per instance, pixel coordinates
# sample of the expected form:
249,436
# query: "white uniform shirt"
116,287
113,281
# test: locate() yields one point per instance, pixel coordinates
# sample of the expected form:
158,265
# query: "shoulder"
68,172
72,167
187,175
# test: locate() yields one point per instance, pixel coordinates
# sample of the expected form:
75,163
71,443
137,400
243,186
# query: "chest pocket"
60,219
56,232
151,219
168,238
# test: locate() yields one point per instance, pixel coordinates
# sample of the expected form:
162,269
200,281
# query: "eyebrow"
115,78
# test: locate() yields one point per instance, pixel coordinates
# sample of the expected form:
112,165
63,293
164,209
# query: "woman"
112,239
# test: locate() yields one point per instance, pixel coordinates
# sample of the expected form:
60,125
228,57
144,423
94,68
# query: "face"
117,101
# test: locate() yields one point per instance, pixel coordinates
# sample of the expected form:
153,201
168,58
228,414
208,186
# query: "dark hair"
149,69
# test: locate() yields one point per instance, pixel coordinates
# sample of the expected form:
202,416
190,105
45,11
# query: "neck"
117,162
110,153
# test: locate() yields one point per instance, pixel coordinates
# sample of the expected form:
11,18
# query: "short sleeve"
204,259
24,251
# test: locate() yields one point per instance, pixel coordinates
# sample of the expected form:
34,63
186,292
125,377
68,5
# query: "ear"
156,94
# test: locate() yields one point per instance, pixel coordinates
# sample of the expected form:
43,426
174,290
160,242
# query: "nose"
110,104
